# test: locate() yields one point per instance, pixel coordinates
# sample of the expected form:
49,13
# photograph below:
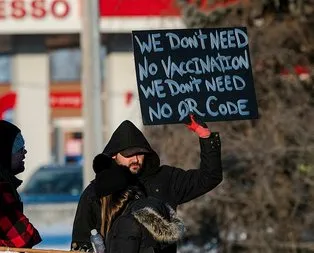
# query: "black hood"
8,132
127,135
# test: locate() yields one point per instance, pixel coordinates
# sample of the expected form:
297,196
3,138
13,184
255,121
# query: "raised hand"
200,128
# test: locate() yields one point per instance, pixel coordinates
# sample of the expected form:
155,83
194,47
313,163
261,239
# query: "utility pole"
91,86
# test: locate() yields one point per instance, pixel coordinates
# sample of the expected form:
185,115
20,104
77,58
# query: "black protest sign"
204,71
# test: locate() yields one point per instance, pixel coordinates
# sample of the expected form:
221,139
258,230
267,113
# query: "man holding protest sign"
204,72
129,147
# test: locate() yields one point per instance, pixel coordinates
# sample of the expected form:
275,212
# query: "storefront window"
65,64
5,68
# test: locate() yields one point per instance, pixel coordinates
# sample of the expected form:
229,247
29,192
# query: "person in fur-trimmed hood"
15,229
129,147
132,222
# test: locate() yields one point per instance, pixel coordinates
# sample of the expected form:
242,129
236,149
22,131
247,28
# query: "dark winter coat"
172,185
147,225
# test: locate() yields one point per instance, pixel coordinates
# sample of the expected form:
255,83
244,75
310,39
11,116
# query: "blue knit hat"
18,143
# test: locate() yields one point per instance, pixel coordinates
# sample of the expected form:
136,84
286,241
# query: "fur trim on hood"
162,229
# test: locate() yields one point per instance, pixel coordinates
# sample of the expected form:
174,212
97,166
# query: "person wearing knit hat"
113,178
15,228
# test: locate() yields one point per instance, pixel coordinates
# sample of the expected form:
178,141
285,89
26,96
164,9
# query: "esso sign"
37,9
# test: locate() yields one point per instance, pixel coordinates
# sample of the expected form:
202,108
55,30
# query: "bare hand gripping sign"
203,71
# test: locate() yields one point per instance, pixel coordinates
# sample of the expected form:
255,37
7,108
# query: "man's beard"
135,167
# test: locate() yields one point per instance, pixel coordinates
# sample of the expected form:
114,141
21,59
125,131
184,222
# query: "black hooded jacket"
172,185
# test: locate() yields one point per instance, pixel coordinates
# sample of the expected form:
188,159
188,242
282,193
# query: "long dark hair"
114,204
